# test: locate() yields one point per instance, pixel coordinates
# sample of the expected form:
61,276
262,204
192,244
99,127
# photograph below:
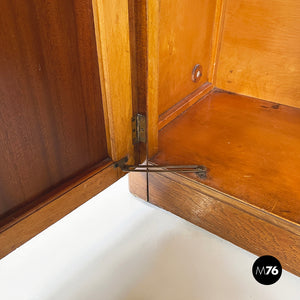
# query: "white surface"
116,246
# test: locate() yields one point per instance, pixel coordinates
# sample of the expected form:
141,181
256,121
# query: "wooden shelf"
251,195
250,147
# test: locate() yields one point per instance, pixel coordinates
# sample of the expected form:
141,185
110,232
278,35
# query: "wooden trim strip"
152,74
111,20
216,40
183,105
235,202
39,218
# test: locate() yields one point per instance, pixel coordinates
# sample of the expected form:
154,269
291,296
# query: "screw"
196,73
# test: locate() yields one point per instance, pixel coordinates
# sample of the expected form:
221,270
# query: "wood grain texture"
55,207
153,24
139,68
113,44
251,148
51,117
138,184
183,105
260,50
258,233
185,39
216,40
232,219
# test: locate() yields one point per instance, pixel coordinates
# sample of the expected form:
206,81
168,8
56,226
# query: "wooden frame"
152,72
111,20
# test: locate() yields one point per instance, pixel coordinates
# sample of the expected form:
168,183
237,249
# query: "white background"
117,246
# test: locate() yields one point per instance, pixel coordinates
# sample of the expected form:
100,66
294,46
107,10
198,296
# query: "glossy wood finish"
185,39
51,117
58,204
245,225
183,105
113,44
260,50
251,148
153,25
139,68
216,39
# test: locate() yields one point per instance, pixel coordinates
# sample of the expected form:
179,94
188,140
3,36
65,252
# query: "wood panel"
251,148
232,219
51,116
185,39
183,105
139,68
61,202
153,12
114,53
260,50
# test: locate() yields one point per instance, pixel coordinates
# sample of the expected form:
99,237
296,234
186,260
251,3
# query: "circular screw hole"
196,73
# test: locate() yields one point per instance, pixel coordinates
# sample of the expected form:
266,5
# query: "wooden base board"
246,226
26,226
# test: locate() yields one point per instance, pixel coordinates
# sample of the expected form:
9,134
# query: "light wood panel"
113,44
260,50
153,25
183,105
25,226
251,148
216,39
185,39
232,219
51,116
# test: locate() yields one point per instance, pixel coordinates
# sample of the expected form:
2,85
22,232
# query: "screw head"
196,73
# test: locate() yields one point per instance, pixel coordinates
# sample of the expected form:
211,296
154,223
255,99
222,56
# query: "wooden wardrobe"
92,88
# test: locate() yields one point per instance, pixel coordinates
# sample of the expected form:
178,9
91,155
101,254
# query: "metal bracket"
138,129
199,170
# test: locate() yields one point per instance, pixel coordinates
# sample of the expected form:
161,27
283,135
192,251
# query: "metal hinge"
199,170
138,129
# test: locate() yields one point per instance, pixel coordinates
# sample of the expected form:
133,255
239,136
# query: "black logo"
267,269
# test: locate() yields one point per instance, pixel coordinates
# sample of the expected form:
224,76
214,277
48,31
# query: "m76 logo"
267,270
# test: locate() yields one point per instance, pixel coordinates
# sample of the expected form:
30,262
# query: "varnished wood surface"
51,117
184,104
216,39
185,39
59,204
260,50
113,44
139,68
250,147
246,226
153,25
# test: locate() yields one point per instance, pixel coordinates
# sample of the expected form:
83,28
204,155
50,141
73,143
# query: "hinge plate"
138,129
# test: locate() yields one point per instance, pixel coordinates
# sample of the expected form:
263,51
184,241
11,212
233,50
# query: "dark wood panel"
51,117
251,148
59,204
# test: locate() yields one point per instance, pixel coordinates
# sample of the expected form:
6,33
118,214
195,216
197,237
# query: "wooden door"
65,110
